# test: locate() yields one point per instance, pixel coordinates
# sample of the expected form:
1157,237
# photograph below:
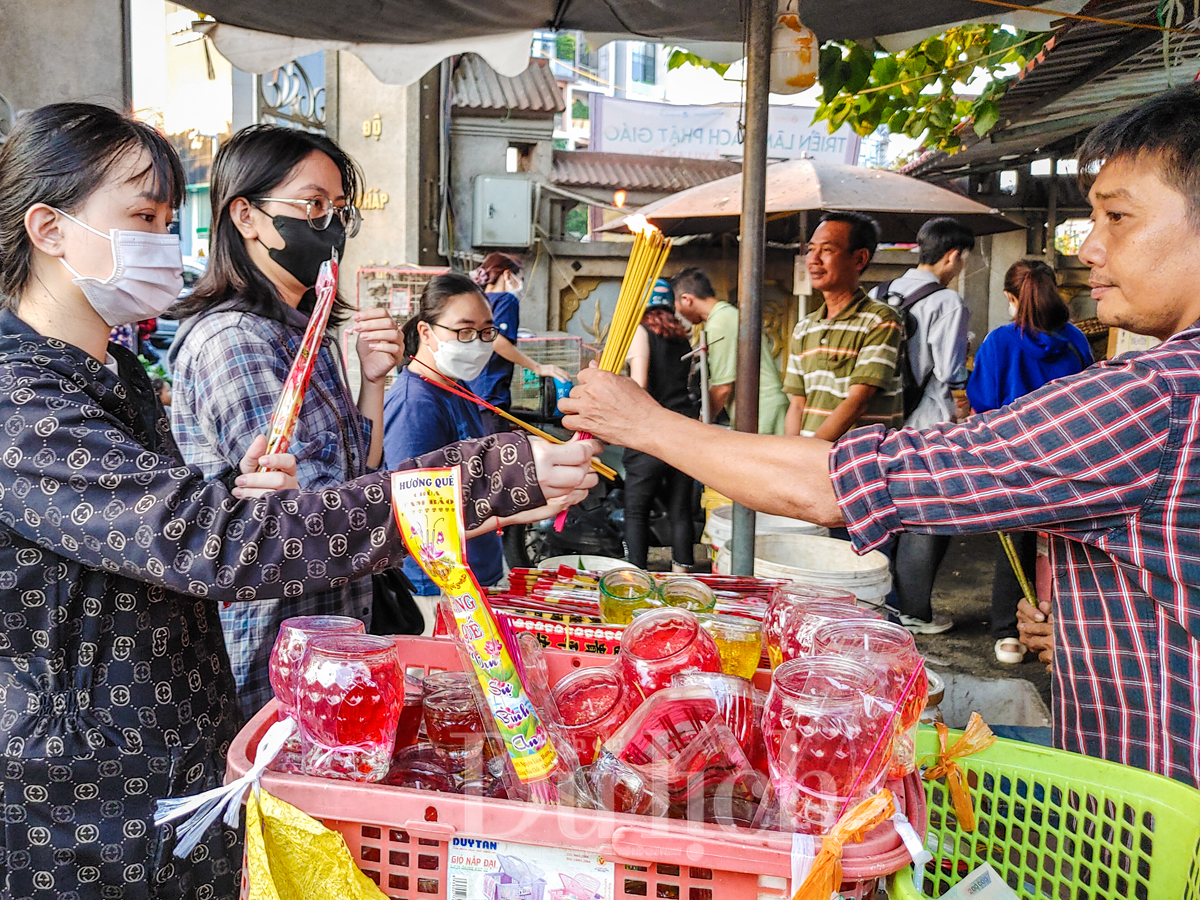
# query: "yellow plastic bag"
292,856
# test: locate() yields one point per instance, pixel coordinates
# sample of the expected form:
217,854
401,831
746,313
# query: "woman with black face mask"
282,201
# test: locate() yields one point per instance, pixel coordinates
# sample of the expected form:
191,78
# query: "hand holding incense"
646,260
287,410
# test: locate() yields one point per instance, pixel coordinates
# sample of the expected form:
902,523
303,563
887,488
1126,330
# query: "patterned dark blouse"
114,681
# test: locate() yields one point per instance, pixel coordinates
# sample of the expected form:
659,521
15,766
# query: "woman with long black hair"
115,554
283,201
1039,346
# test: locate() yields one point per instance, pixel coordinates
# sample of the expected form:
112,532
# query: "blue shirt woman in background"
449,342
1039,346
500,277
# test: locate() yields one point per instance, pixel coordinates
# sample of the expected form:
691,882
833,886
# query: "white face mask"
1012,309
146,279
462,360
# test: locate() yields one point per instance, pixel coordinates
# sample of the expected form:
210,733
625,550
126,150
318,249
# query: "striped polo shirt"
859,345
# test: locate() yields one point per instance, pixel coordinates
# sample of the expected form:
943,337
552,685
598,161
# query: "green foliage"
580,110
576,222
679,58
564,47
912,92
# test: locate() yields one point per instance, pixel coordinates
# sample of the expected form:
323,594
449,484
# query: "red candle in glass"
593,703
408,726
349,694
795,612
820,728
289,648
663,643
454,727
891,652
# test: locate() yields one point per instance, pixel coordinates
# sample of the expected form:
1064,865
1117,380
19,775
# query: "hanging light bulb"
794,51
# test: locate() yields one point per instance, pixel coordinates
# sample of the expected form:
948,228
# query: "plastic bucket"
720,526
589,563
812,559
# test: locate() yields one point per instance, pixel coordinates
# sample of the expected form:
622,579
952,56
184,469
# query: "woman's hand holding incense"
564,470
380,346
278,471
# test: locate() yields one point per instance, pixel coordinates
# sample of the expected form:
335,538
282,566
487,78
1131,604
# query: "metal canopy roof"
593,168
478,88
1087,73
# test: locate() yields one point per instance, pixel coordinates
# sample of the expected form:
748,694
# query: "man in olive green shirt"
695,301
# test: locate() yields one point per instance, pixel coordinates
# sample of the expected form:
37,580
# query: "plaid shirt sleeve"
239,377
876,362
1076,458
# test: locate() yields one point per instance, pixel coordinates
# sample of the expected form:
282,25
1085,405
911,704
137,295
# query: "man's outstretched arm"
785,476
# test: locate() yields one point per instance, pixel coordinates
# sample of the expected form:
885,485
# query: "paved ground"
963,591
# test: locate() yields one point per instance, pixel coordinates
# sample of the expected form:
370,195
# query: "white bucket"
812,559
720,526
584,561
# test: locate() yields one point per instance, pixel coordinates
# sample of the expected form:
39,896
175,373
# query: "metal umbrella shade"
900,204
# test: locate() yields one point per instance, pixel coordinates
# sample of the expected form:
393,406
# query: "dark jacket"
115,684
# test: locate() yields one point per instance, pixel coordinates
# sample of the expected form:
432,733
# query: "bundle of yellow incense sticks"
646,260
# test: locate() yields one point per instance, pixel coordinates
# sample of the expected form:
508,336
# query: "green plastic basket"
1060,826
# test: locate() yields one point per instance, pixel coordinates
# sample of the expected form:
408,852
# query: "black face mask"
305,248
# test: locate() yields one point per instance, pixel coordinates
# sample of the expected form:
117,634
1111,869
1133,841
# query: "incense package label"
428,507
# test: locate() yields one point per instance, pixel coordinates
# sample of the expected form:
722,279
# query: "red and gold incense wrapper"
976,737
287,410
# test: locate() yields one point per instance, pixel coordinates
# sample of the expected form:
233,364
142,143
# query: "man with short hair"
935,357
1107,462
841,370
696,301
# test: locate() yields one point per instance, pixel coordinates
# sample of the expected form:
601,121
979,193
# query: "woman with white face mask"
115,555
449,342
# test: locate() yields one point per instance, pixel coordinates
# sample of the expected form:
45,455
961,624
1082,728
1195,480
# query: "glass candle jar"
349,695
454,727
794,613
739,641
624,590
735,701
440,681
687,593
593,703
891,652
663,643
820,727
408,726
283,668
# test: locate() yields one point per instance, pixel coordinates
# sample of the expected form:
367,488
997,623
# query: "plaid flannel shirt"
229,369
1108,463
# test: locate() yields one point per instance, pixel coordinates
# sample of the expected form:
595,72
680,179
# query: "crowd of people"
154,557
1102,458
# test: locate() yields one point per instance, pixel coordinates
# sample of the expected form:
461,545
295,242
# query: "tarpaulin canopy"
400,40
901,204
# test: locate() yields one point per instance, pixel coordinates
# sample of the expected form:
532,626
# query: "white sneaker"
939,625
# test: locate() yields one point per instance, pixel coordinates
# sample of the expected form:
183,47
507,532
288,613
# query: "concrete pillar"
389,161
1007,248
57,50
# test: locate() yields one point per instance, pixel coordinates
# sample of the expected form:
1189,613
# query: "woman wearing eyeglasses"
282,201
448,343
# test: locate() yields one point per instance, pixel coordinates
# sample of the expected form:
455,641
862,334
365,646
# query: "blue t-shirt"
418,418
1011,363
495,382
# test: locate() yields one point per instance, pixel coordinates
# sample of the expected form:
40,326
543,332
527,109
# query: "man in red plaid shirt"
1107,462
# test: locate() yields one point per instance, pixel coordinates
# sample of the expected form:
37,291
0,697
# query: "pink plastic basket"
402,838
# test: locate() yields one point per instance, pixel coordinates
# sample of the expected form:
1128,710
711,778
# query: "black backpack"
913,390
